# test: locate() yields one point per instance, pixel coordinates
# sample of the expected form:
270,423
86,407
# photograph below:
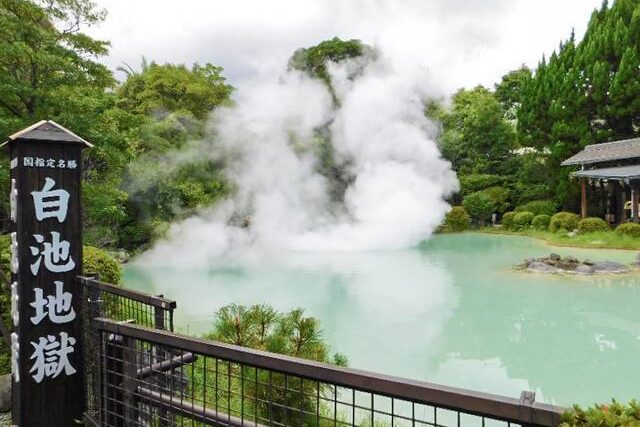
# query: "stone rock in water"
584,269
541,267
5,393
609,267
554,257
638,258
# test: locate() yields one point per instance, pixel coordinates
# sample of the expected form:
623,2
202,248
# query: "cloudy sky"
458,42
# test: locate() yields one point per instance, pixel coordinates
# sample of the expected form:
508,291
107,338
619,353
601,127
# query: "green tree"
315,59
585,93
509,90
168,88
476,137
46,60
264,328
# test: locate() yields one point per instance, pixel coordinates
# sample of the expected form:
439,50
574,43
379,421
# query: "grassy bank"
598,239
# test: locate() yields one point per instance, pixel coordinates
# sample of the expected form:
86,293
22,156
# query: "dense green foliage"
475,136
476,182
614,414
589,225
314,60
584,93
539,207
499,197
522,220
96,260
566,221
507,220
628,229
457,219
517,135
541,222
479,205
49,70
262,327
161,89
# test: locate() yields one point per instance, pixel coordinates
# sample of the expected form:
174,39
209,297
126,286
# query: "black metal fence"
148,377
104,300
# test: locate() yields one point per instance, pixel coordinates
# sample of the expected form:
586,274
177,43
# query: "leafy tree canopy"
46,60
163,89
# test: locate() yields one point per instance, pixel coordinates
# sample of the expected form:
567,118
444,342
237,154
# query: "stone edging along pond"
556,264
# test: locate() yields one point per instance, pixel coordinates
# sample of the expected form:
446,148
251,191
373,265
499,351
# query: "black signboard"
48,372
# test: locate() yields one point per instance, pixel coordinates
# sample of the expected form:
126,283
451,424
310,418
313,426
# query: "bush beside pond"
630,229
507,220
522,220
457,219
564,221
592,224
541,222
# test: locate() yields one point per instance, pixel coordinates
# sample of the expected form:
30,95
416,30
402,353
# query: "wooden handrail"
521,411
153,300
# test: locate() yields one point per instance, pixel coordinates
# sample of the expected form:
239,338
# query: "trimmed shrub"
96,260
539,207
541,222
476,182
522,220
507,220
457,219
479,205
564,221
629,229
614,414
591,224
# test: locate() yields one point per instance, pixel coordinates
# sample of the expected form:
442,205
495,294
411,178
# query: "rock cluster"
554,263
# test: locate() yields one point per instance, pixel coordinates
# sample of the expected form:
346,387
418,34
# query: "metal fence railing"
196,382
104,300
121,304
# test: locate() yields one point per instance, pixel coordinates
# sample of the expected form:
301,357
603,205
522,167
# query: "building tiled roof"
619,172
48,130
605,152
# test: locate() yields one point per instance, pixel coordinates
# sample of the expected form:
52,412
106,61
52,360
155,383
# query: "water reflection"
451,312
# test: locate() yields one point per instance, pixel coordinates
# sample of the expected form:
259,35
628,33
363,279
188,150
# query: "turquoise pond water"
451,312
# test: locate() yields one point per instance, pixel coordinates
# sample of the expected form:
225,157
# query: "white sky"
460,42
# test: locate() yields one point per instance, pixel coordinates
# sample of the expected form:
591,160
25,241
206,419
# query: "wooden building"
610,179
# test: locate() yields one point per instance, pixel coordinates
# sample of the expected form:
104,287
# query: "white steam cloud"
394,197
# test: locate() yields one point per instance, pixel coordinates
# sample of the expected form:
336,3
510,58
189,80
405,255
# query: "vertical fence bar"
129,371
164,417
114,405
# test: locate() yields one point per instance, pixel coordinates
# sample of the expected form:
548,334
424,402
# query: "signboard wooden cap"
48,130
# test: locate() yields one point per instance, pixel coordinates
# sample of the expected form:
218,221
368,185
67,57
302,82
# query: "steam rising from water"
269,142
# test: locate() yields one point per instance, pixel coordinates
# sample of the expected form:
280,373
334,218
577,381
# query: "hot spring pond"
451,312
